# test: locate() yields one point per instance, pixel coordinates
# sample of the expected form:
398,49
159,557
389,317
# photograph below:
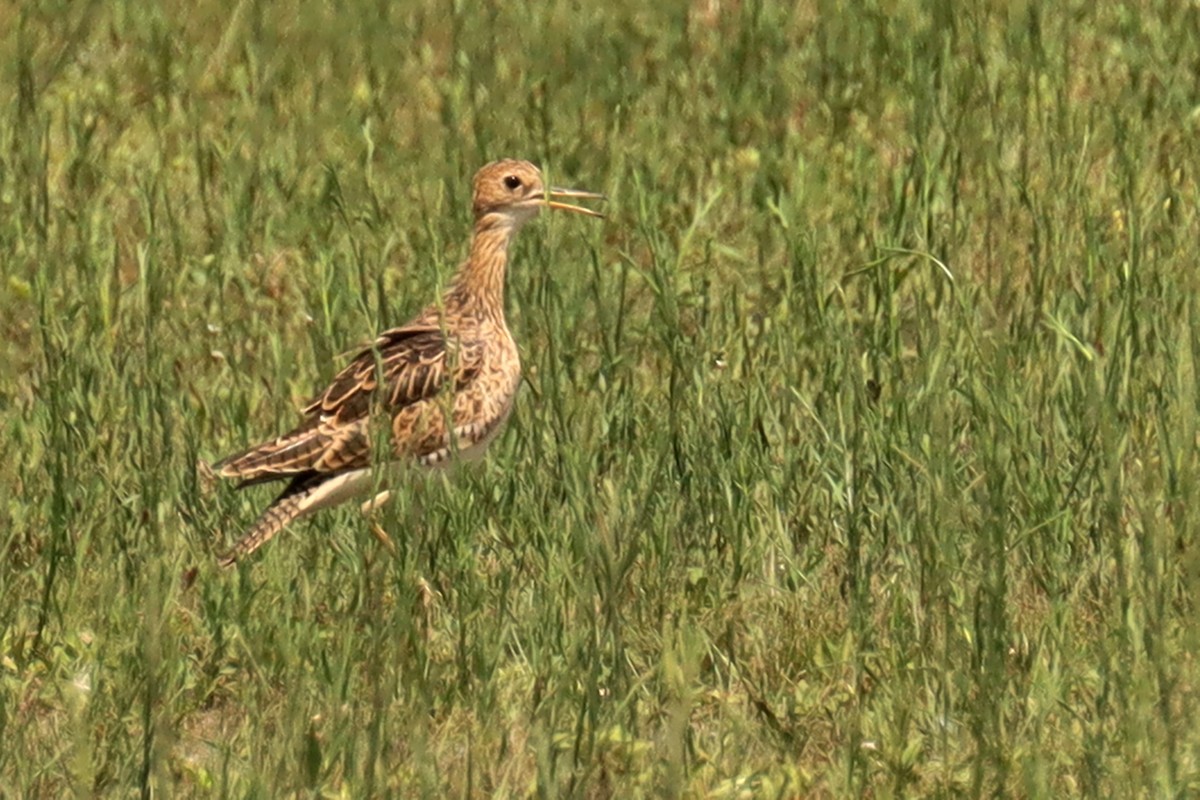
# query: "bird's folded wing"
404,366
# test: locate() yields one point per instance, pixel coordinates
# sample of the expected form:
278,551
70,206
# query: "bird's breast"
479,409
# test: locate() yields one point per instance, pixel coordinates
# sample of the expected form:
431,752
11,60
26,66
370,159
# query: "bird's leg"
376,502
368,509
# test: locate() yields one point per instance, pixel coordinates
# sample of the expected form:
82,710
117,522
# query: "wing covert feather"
413,362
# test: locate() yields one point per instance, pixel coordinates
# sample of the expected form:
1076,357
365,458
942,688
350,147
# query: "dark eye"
512,182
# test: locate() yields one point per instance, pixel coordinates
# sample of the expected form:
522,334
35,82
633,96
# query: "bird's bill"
574,193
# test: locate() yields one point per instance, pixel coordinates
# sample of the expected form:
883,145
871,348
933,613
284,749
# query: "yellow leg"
370,507
376,502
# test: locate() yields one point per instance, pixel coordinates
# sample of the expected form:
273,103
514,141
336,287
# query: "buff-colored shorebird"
446,380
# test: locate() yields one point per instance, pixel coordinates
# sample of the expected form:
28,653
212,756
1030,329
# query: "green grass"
857,454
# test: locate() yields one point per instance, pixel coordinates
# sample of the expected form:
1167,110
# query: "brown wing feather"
411,362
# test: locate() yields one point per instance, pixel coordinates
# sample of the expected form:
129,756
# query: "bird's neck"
479,284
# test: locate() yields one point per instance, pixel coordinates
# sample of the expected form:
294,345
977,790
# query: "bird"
444,382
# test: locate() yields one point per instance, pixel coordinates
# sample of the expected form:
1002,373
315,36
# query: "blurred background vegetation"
857,452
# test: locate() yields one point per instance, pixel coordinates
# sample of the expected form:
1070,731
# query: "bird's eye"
512,182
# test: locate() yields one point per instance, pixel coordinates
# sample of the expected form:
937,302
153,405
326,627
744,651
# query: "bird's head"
513,191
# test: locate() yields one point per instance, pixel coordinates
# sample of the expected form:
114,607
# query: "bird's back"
446,382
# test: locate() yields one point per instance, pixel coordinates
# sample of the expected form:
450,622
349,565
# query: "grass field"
857,452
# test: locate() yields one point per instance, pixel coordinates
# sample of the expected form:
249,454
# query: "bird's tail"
292,503
306,493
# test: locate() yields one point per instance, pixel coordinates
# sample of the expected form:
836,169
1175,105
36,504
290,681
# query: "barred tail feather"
285,508
305,494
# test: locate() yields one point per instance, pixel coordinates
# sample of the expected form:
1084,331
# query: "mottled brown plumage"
446,379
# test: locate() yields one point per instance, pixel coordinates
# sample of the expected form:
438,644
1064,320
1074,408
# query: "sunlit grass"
857,451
